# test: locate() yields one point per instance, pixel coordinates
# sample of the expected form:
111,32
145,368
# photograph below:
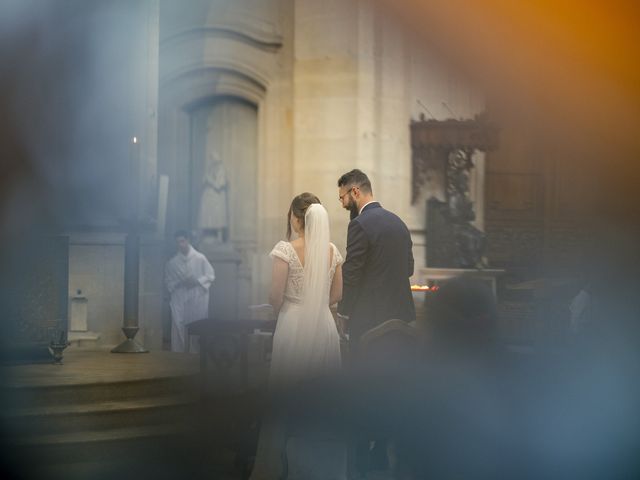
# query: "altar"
452,150
434,276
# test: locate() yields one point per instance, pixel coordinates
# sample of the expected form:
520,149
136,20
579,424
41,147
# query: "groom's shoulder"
389,219
376,212
370,218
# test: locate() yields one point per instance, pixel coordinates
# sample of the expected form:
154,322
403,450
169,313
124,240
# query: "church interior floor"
82,367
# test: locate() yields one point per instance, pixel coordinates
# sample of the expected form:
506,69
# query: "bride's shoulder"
282,250
282,243
283,246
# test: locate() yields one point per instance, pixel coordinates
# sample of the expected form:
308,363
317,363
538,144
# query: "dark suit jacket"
377,270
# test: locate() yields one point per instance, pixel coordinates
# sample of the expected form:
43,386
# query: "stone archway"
210,109
217,64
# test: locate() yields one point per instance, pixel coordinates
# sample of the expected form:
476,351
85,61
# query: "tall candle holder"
132,262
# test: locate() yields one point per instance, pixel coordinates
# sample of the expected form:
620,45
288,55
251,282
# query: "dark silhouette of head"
183,241
461,316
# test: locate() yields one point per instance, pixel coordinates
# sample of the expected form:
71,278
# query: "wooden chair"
394,343
393,347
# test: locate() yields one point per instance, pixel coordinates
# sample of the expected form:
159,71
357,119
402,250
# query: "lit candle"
134,173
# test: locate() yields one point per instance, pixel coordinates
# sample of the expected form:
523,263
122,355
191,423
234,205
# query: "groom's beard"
353,209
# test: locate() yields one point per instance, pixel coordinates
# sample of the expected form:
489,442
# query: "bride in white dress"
306,280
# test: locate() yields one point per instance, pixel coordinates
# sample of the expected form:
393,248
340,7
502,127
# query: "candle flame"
424,288
135,139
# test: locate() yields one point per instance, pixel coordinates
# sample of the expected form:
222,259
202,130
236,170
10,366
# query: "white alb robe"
188,303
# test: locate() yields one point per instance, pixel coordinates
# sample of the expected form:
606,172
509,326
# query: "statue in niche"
213,217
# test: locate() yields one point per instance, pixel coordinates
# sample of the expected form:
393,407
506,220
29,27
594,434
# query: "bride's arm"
279,275
335,295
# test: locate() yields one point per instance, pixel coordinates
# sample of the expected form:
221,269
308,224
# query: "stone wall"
96,267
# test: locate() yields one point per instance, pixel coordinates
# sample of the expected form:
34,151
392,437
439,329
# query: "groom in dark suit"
376,286
379,261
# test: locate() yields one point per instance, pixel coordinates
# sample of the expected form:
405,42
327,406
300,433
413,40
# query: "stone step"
101,409
168,435
174,409
85,393
142,444
218,464
85,438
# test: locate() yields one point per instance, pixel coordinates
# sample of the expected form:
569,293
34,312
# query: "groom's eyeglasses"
340,197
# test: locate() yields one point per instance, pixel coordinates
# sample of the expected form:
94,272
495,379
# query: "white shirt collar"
368,203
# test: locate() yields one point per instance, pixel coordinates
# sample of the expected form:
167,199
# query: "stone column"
325,101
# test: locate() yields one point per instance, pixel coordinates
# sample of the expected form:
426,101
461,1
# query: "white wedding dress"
301,348
306,344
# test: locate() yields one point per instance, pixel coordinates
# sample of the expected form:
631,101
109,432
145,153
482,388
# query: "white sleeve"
171,278
281,251
208,274
338,257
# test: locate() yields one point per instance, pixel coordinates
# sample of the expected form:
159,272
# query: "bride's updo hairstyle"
298,209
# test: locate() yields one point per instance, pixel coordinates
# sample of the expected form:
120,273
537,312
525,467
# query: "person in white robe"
188,277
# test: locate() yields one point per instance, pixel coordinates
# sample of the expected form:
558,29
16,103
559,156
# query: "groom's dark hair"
357,178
